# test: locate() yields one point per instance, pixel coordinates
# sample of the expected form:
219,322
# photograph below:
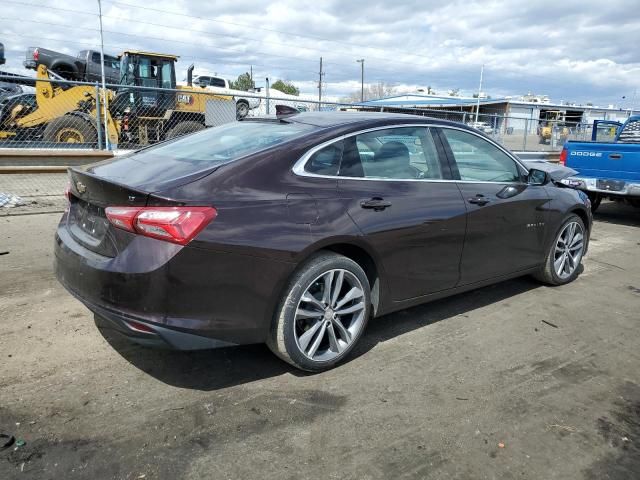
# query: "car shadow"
618,213
215,369
404,321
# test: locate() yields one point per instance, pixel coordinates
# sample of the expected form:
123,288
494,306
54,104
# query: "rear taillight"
36,54
173,224
563,156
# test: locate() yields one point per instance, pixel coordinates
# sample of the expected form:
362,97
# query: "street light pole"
105,103
361,62
479,90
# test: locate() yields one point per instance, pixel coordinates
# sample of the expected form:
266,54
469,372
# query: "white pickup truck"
221,85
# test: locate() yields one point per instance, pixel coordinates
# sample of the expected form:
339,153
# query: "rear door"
400,196
505,216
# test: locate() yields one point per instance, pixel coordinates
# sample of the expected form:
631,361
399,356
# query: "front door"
394,186
505,216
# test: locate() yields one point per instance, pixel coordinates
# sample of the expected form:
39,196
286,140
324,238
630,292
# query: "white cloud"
572,50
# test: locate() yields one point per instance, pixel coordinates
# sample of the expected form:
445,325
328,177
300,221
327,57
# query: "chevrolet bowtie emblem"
81,187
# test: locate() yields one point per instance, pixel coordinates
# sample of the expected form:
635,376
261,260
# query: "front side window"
404,153
479,160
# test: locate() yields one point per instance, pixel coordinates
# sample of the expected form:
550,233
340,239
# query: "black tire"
548,273
242,110
70,129
286,330
184,128
595,199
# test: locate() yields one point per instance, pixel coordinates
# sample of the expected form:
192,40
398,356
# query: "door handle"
615,156
479,200
375,203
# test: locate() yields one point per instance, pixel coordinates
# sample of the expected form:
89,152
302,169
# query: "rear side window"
216,82
224,143
630,133
479,160
325,161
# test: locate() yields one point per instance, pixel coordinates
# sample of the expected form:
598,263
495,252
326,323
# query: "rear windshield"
196,153
224,143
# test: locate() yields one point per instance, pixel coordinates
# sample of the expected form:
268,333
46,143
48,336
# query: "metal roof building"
517,113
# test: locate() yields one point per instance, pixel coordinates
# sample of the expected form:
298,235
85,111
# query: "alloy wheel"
329,315
568,250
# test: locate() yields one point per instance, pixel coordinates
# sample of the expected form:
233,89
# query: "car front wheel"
563,262
323,313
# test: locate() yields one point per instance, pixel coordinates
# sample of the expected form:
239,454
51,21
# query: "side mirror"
537,177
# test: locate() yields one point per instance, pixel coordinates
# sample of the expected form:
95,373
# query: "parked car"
9,89
484,127
85,66
222,86
609,168
296,231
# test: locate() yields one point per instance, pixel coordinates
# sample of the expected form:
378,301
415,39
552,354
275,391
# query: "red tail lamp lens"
173,224
563,157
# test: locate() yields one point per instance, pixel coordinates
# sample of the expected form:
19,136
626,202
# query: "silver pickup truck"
84,67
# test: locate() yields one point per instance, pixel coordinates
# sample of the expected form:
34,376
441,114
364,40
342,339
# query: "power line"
165,40
239,37
146,37
123,46
244,25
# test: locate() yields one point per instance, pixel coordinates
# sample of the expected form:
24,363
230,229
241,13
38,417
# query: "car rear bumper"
189,298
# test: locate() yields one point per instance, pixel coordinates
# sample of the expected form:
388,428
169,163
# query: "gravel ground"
511,381
40,193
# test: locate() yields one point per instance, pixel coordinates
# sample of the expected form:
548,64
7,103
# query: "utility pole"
361,62
251,76
479,90
105,102
320,74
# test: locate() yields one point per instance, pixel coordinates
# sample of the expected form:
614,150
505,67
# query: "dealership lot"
515,380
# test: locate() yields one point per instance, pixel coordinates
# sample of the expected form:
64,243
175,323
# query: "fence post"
526,133
464,117
267,107
98,120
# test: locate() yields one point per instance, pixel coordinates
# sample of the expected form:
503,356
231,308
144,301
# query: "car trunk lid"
87,222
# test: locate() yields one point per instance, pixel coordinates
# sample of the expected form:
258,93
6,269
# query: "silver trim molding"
298,167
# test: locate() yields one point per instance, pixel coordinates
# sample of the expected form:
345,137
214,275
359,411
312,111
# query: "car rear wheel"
564,258
323,313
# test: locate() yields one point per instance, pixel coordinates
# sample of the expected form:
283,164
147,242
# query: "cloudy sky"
572,50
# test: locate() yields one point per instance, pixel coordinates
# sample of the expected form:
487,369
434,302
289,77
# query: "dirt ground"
511,381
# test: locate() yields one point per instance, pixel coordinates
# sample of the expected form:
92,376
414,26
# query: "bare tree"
372,92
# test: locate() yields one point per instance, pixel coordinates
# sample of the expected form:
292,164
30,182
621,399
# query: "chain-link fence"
56,113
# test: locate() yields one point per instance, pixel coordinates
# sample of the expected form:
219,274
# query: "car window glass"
404,153
326,160
479,160
217,82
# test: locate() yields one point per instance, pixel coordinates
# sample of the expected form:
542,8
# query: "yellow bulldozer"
146,106
554,120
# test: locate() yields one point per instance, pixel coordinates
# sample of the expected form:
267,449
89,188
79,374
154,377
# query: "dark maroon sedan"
296,231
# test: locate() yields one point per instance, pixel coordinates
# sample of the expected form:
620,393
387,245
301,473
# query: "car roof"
334,119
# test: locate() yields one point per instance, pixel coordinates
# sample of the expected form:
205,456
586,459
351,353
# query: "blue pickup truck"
609,165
